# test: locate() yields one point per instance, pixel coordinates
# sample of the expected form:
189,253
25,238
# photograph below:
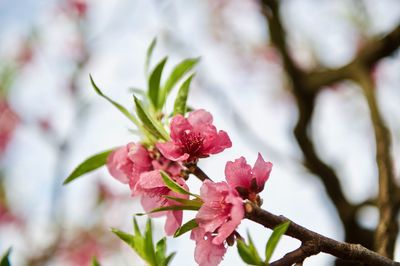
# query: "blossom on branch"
221,212
193,138
206,253
153,191
128,162
246,180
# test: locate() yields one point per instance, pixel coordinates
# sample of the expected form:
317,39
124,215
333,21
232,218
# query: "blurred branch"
314,243
305,103
387,230
372,52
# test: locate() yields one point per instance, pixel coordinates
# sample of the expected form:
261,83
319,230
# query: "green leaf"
95,262
149,122
186,202
149,53
186,227
170,208
244,252
136,228
5,261
117,105
90,164
148,244
127,238
161,248
177,73
181,98
169,258
171,184
274,239
154,83
253,251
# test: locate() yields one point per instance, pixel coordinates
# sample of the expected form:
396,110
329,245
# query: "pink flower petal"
119,165
206,253
179,124
139,156
200,118
172,151
238,173
261,171
173,222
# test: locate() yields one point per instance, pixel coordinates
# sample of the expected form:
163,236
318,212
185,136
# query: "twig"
367,56
387,230
315,243
305,104
195,170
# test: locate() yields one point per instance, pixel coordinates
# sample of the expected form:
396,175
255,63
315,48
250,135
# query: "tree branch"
306,250
387,230
314,242
371,53
305,104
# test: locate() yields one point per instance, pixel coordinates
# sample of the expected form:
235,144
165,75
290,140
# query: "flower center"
192,143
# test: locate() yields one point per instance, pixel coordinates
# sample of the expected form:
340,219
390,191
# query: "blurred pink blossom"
8,122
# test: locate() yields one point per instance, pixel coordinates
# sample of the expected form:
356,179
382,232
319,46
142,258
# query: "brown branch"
371,53
306,250
305,104
387,230
315,242
195,170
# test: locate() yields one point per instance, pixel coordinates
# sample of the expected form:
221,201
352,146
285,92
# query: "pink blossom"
193,138
152,189
8,123
248,181
221,212
206,253
128,162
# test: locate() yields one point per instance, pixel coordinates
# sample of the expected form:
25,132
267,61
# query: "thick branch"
346,251
195,170
305,103
306,250
368,56
386,232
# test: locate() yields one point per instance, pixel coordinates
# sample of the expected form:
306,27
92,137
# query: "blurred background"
51,119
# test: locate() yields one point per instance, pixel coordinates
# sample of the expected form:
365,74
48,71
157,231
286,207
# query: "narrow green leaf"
127,238
149,122
244,252
5,261
148,244
117,105
186,227
90,164
177,73
170,208
171,184
136,228
169,258
149,54
154,83
161,248
181,98
253,251
95,262
186,202
274,239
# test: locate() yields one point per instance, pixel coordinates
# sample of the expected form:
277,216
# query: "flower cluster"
221,203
